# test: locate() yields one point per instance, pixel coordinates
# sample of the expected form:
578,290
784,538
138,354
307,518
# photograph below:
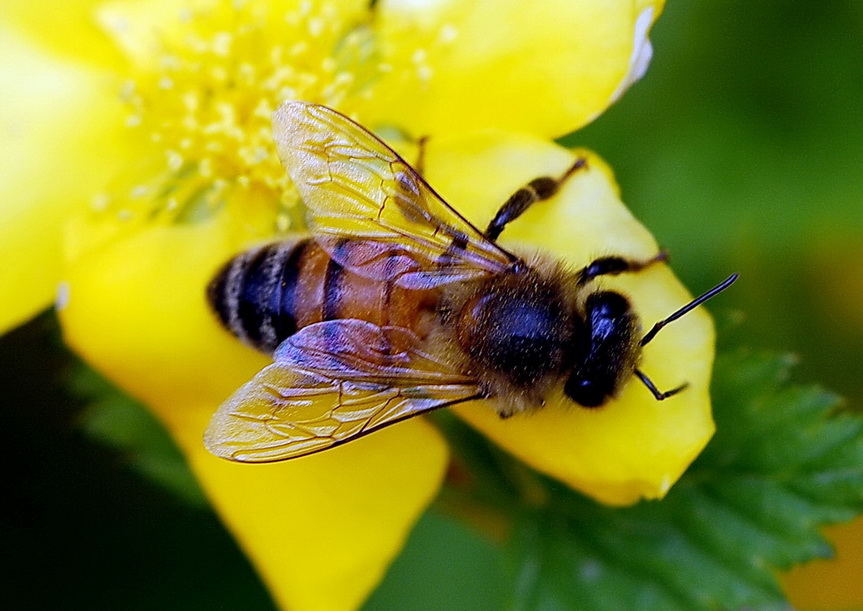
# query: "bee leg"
536,190
420,163
658,394
611,266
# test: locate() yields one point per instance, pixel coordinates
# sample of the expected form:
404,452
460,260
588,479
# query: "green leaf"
116,420
784,461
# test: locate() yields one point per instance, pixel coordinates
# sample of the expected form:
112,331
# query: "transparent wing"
356,187
330,383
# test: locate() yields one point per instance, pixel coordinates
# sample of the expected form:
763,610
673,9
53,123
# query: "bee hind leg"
536,190
420,163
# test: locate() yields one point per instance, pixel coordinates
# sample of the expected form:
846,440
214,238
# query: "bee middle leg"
536,190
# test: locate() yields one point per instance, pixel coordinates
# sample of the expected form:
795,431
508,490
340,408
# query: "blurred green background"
742,150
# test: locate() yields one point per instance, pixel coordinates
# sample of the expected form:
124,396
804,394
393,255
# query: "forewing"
356,187
330,383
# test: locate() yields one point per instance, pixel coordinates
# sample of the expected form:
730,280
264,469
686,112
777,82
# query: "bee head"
605,352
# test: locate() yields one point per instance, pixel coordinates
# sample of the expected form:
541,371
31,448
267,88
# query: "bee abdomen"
254,294
265,295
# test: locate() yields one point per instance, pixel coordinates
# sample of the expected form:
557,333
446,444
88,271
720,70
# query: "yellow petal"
143,27
546,68
635,447
321,529
66,29
61,137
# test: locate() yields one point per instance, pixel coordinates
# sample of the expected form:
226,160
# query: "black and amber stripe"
368,294
255,293
334,285
267,294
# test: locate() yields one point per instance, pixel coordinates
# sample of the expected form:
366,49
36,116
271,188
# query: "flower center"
206,94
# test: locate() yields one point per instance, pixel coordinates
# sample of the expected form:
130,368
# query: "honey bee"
397,305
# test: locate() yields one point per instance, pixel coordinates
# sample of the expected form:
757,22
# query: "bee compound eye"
585,392
608,305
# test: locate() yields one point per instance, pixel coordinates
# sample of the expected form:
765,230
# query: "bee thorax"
517,329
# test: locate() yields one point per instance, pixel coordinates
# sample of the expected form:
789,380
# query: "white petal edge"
642,53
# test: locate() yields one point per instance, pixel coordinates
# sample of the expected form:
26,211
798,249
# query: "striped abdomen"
265,295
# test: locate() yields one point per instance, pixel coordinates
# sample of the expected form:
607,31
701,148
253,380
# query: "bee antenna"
688,308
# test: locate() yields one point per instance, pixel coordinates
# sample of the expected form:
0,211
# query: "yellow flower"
137,157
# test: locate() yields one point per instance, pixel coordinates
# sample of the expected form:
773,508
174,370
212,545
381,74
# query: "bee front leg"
611,266
658,394
536,190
